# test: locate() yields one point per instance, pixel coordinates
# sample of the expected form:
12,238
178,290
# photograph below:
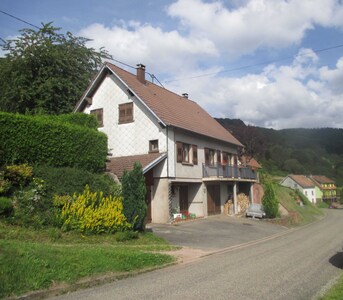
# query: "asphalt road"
299,264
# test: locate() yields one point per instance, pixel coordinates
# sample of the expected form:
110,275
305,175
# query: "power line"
21,20
120,62
254,65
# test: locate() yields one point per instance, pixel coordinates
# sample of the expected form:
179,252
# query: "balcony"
228,172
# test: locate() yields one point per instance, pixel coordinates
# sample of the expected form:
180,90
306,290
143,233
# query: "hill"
299,151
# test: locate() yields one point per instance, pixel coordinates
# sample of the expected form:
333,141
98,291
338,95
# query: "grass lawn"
299,215
39,259
336,292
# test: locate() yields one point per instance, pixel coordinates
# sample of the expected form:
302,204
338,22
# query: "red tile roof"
251,162
322,179
303,181
117,165
174,110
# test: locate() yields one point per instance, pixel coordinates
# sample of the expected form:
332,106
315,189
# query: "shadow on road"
337,260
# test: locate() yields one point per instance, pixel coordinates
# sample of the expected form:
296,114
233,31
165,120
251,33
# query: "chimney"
185,95
141,73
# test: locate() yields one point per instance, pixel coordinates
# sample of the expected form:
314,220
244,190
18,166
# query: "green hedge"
67,181
42,140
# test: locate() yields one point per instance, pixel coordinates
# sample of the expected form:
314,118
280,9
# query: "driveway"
216,232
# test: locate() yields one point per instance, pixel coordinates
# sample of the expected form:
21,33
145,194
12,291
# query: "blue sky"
216,50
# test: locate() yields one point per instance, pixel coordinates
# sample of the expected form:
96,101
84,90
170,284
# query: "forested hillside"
298,151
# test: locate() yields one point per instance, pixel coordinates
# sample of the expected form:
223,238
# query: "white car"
255,210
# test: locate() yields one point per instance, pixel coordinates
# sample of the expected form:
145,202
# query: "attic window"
98,113
126,113
153,146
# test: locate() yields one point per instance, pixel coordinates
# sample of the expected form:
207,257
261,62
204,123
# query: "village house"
302,184
189,160
326,188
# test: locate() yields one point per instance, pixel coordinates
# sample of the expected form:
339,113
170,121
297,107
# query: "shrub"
6,206
42,140
18,175
67,181
80,119
90,212
31,207
5,186
269,200
134,191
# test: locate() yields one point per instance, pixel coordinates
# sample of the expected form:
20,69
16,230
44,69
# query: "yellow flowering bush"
91,212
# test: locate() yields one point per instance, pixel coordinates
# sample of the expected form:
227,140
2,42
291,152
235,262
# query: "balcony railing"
228,171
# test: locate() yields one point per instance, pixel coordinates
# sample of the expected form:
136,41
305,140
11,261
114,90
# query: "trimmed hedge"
67,181
81,119
39,140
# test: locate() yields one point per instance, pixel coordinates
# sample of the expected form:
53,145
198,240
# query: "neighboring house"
326,186
189,160
301,183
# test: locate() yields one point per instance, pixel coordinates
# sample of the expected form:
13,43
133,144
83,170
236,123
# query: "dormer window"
125,113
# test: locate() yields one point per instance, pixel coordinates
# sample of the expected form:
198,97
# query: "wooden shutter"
195,154
179,152
126,113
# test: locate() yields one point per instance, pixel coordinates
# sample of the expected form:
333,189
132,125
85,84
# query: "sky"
271,63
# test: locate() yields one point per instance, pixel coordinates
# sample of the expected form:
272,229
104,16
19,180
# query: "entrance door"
183,194
213,199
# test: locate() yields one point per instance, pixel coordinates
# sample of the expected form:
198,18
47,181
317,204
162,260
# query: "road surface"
299,264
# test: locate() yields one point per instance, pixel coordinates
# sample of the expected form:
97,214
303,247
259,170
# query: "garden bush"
6,206
18,175
134,191
67,181
42,140
32,207
92,213
269,200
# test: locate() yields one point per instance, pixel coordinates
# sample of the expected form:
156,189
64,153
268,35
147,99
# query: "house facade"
326,186
301,183
189,160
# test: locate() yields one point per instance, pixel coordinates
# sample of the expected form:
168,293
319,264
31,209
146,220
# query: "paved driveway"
215,232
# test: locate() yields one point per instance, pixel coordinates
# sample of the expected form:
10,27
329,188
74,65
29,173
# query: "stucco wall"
160,201
195,171
131,138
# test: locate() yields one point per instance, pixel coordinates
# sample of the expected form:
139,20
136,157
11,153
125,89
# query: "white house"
301,183
189,160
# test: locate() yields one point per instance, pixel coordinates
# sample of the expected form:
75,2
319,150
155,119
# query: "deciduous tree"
45,71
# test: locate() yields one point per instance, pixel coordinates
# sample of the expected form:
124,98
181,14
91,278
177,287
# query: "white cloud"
301,94
279,97
334,77
257,23
163,52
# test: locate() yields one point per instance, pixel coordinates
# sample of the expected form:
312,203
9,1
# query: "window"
153,146
210,157
186,153
98,113
226,158
125,113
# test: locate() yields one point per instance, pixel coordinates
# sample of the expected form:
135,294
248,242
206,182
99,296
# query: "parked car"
255,210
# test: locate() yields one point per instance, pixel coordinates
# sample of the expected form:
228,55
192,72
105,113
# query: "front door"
213,199
183,193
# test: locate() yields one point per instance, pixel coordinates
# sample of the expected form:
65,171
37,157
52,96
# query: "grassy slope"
299,215
32,260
